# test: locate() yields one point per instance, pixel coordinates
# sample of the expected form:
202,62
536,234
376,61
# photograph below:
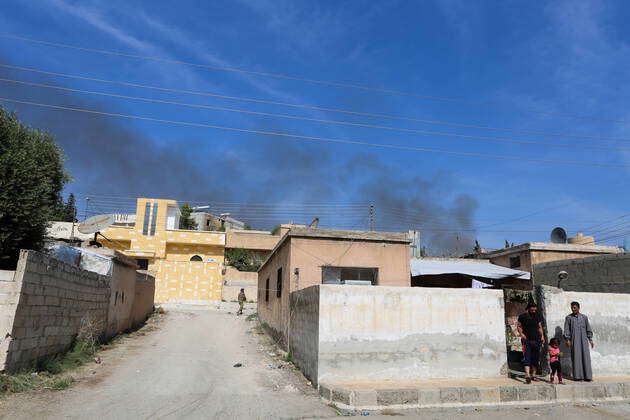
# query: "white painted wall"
609,316
398,333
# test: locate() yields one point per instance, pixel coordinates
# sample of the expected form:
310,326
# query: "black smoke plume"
107,158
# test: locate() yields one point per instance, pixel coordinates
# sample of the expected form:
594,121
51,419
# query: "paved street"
184,369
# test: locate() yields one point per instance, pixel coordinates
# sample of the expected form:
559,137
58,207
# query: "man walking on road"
578,336
241,302
532,335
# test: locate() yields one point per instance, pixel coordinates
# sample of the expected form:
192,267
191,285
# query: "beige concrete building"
306,257
524,256
260,241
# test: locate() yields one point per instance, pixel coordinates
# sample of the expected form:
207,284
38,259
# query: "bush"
243,259
17,383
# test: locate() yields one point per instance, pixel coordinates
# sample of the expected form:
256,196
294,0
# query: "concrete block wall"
602,273
54,299
303,339
398,333
609,316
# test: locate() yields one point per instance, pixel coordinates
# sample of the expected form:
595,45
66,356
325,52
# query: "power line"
318,139
306,80
317,120
606,222
318,108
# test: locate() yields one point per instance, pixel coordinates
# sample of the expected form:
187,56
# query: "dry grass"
53,373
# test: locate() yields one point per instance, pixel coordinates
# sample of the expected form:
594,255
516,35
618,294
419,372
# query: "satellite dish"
559,236
96,223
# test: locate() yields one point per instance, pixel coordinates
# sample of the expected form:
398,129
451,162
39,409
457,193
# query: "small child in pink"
554,359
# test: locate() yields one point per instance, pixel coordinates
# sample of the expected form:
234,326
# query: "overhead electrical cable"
320,108
302,79
317,120
319,139
590,229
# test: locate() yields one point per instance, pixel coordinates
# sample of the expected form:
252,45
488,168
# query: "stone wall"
53,300
304,330
602,273
609,316
398,333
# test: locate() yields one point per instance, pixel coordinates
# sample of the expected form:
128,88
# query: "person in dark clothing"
241,302
532,336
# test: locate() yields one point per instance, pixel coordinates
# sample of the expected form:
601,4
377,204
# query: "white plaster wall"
398,333
9,296
609,316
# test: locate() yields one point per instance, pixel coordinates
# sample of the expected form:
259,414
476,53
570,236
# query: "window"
143,263
150,218
515,262
116,299
279,283
196,258
339,275
123,297
267,291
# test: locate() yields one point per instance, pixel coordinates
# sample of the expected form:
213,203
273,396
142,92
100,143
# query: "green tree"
185,220
31,180
243,259
69,213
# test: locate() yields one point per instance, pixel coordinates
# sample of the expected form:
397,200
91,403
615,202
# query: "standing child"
554,359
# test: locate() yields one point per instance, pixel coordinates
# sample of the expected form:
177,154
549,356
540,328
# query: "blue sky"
528,62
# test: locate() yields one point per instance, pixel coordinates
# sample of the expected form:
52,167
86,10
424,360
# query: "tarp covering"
83,258
475,269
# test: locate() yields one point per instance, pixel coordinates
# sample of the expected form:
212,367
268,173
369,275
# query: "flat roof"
550,246
349,235
362,235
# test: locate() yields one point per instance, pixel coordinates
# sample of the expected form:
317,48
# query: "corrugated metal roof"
472,268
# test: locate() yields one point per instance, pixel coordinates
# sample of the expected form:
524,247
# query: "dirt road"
182,370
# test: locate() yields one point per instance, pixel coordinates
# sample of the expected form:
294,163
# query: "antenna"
559,236
371,216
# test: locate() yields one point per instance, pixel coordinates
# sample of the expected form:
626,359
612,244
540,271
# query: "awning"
472,268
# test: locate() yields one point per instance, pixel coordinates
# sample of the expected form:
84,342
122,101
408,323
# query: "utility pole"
372,217
87,205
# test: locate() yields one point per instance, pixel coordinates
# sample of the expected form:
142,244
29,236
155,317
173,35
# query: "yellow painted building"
187,263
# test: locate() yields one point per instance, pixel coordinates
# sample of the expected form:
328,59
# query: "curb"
409,398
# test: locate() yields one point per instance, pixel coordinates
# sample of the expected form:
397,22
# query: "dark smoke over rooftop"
105,156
